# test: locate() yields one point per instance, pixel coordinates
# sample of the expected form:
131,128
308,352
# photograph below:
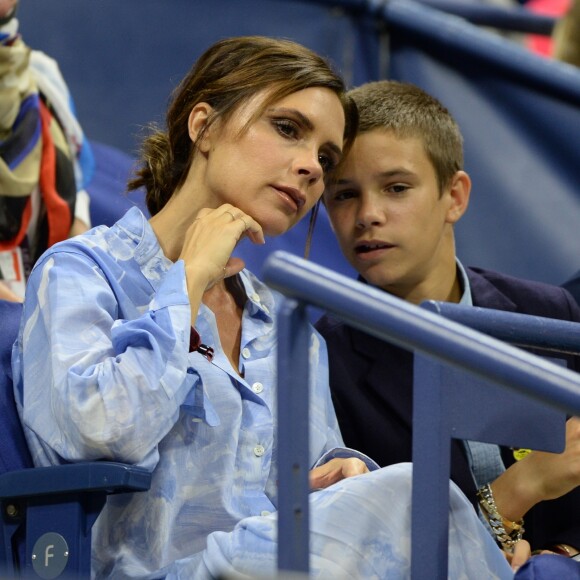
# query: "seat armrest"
104,476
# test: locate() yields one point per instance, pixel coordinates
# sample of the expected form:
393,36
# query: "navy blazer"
372,390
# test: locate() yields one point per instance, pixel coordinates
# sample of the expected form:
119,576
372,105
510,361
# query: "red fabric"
543,44
58,211
194,340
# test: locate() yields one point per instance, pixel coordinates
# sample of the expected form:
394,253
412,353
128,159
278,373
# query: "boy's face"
391,222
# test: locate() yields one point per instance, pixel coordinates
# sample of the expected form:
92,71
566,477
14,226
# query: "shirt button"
259,450
246,353
265,513
266,309
257,388
255,297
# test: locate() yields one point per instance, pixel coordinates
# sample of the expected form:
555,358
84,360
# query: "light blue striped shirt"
102,370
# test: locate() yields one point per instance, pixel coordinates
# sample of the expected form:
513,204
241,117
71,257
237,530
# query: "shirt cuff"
345,453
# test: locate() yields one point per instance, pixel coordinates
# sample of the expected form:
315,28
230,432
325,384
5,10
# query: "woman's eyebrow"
304,120
306,123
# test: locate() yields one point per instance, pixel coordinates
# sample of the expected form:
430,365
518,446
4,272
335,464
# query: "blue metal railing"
512,19
400,323
556,336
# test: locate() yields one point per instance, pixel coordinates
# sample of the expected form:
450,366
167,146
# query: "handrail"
396,321
511,19
415,21
411,327
524,330
514,19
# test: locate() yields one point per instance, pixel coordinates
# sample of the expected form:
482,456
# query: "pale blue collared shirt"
103,371
484,458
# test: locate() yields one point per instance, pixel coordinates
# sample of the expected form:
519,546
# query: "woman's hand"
335,470
211,239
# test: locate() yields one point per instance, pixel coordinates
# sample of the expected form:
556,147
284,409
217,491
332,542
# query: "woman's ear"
198,127
459,196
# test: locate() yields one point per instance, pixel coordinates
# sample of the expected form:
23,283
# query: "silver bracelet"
497,522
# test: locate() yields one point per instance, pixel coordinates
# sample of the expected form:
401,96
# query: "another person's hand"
555,474
7,294
78,227
521,554
336,470
6,6
540,476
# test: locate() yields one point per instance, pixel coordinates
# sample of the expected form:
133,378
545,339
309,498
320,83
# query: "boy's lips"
369,247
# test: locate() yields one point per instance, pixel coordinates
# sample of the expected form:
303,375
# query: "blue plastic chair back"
14,452
63,501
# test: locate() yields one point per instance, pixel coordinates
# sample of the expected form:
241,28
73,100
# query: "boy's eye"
343,195
398,188
327,163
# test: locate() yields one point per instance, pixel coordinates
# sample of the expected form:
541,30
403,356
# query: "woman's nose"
308,166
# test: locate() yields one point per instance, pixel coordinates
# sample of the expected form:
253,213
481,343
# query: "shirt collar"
136,231
260,298
466,298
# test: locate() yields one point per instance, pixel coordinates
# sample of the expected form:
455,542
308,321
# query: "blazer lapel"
485,294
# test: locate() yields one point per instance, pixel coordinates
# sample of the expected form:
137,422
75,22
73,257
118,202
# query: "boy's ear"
459,196
197,125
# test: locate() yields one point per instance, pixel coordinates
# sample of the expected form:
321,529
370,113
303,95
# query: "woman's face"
274,169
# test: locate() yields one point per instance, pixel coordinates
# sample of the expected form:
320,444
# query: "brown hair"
408,111
226,76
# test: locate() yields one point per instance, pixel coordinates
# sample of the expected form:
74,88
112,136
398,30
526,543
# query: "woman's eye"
286,128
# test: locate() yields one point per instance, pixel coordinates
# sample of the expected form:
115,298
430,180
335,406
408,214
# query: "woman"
160,348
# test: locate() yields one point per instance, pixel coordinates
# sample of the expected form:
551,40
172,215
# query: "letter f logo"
48,553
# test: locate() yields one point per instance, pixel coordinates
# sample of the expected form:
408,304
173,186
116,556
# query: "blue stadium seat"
108,186
47,513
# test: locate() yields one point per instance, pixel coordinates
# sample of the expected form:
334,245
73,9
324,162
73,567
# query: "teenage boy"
393,207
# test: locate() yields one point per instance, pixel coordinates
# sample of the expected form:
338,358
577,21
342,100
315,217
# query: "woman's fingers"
248,226
211,239
234,266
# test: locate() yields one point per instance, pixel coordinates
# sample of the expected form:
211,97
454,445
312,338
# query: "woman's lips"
293,197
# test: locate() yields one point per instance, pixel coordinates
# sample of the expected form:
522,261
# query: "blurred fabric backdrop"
519,113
